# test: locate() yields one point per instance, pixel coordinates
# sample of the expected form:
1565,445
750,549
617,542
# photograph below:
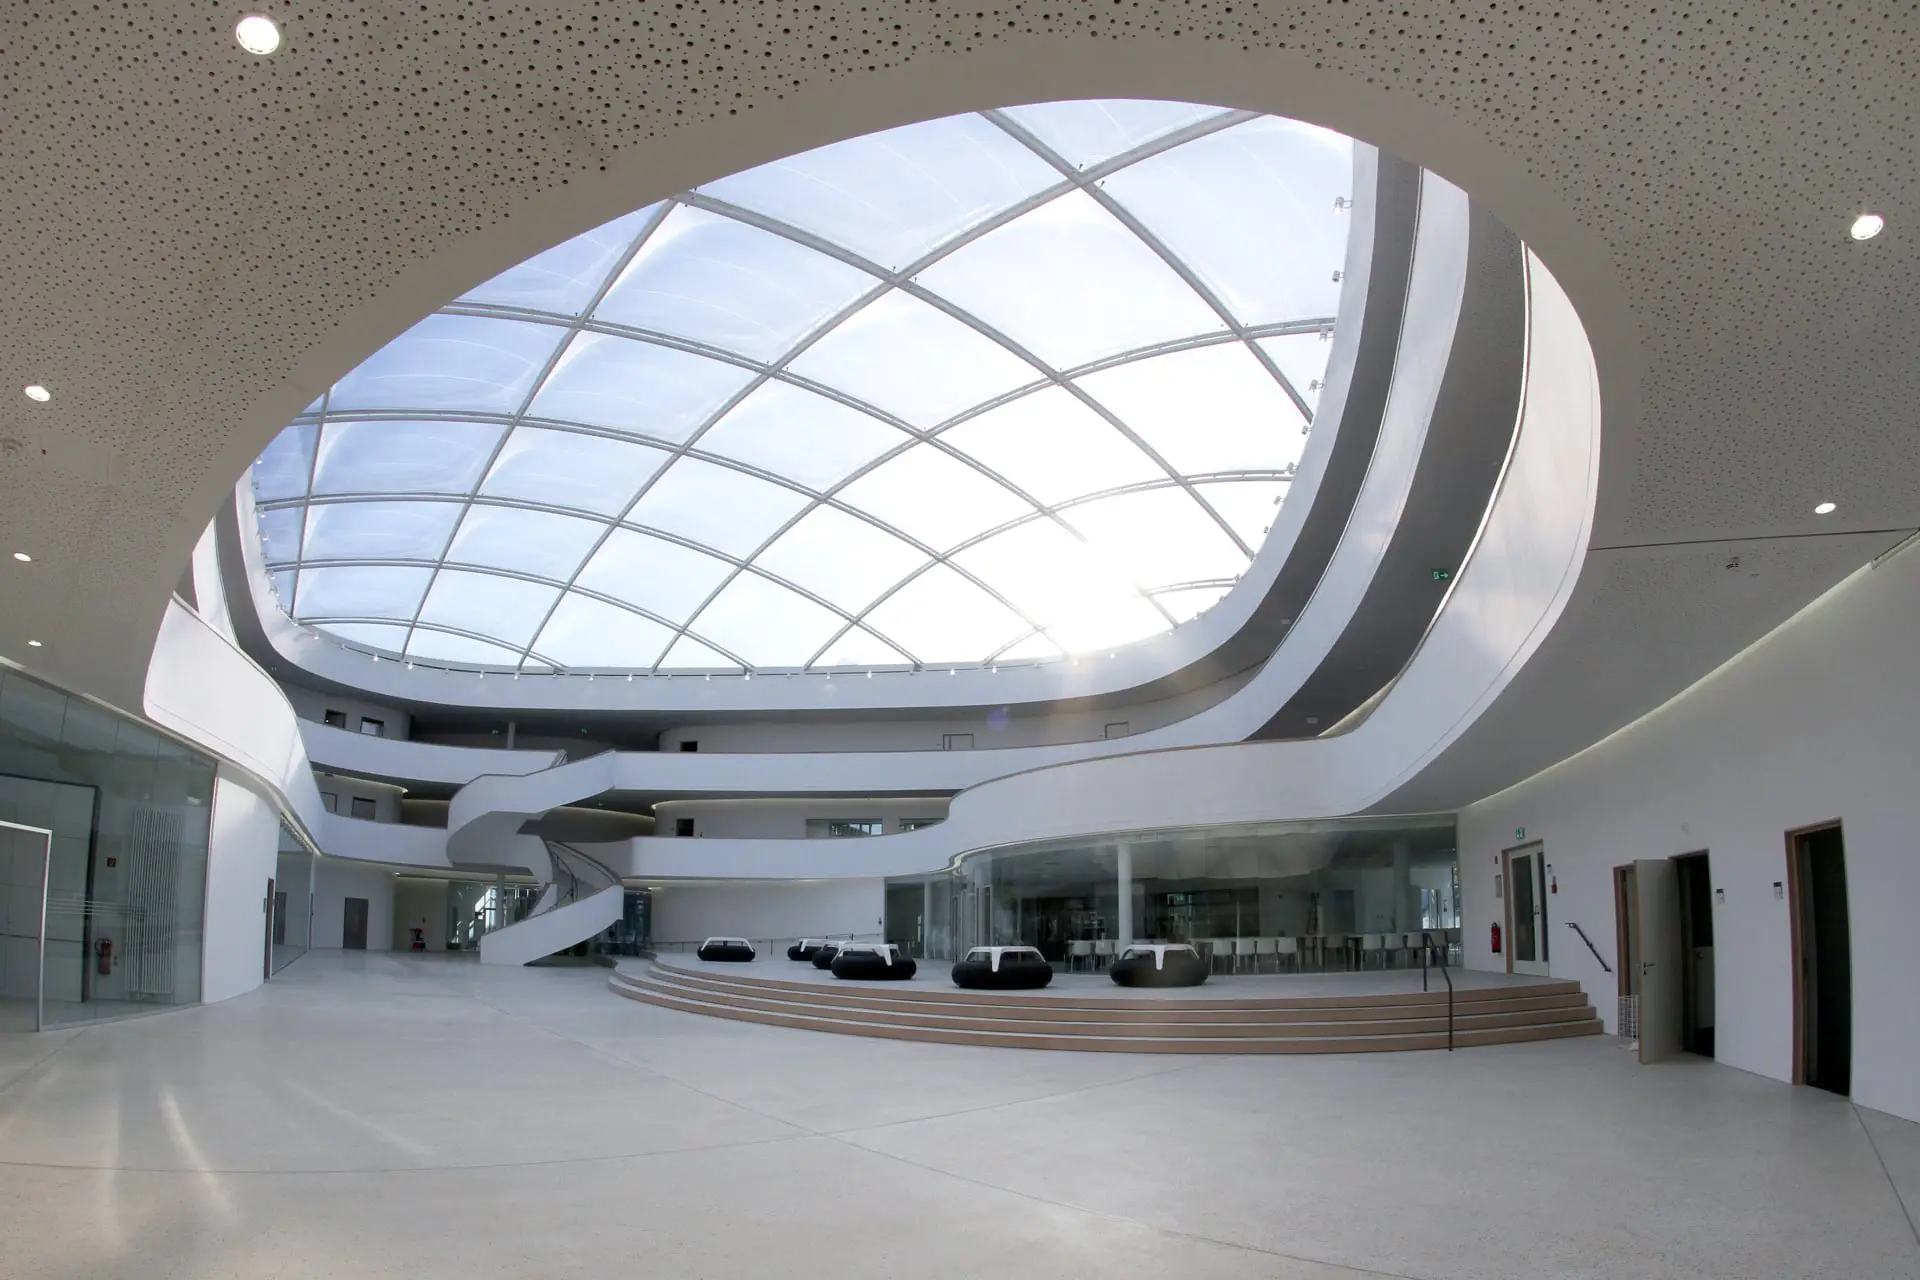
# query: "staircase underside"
1370,1022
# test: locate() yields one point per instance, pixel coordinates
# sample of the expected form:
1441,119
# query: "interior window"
334,719
373,728
362,807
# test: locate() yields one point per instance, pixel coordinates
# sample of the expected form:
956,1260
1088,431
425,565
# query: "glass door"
1527,911
25,858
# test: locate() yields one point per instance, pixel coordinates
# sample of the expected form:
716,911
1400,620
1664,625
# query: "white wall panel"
348,751
818,908
334,881
242,855
1819,720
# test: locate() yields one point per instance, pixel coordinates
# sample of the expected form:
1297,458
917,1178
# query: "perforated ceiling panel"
1004,386
188,227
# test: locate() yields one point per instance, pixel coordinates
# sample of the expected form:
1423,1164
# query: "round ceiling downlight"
1867,226
257,34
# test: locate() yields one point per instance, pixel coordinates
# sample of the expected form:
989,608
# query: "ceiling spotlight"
33,644
257,34
1867,226
37,393
23,557
1826,508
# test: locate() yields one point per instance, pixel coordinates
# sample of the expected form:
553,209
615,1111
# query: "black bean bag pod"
873,964
1020,969
728,949
1176,967
803,949
823,958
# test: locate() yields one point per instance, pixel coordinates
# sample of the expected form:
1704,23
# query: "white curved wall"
202,687
345,751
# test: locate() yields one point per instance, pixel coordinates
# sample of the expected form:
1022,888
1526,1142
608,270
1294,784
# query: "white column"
926,919
1123,867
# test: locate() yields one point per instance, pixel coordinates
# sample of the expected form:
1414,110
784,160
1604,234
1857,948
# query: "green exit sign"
1443,575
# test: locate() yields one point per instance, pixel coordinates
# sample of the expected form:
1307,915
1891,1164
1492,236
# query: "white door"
1658,884
1527,912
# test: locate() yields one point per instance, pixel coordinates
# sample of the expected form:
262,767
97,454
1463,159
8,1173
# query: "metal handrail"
1426,952
1589,941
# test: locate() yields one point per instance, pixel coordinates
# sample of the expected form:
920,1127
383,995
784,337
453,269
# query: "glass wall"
1342,880
292,901
126,886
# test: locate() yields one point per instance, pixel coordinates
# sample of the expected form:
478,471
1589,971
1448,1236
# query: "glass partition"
1334,880
292,901
125,891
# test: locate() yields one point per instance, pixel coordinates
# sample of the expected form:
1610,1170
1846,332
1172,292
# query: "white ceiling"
199,241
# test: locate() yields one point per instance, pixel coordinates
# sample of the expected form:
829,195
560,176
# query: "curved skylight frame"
1024,126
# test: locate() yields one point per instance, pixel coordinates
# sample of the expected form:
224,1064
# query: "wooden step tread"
1113,1044
1168,1010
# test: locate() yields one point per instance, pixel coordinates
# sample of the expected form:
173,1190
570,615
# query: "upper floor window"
834,828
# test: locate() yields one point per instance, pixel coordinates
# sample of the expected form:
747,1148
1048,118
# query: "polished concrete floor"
412,1116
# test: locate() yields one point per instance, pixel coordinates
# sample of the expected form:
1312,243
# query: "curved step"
1331,1025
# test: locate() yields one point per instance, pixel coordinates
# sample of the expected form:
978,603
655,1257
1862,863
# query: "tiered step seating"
1358,1023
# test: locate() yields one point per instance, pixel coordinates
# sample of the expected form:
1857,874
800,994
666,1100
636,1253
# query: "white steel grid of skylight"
1000,387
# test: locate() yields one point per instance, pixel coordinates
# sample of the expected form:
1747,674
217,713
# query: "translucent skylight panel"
910,359
280,532
793,432
766,624
1068,282
1248,506
933,497
537,542
390,636
942,617
282,470
892,196
1060,583
567,469
861,648
1251,210
1158,537
362,591
1084,133
840,558
584,632
1207,409
661,577
1189,603
716,506
1051,445
718,281
429,645
1302,357
1035,648
688,653
636,387
403,457
503,609
379,530
1009,247
565,278
457,363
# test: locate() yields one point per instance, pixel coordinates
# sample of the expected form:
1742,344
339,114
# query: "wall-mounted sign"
1519,833
1443,575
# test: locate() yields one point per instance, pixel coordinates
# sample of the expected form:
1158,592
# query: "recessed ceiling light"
33,644
1826,509
23,557
257,34
1867,226
37,393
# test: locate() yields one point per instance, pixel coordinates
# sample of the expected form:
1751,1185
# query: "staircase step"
1143,1026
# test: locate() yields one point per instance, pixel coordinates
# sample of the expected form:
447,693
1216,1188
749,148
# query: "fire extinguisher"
1496,938
103,957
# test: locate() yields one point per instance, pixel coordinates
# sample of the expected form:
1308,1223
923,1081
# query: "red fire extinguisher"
1496,938
103,957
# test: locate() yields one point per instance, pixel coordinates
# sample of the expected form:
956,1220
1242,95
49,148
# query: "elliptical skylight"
1016,384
